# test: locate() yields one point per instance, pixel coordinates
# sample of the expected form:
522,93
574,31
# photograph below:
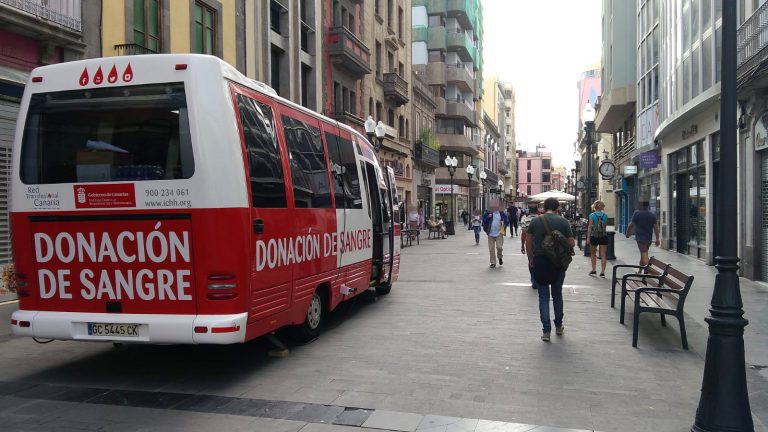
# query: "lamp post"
724,402
451,163
501,191
588,116
375,130
470,174
482,176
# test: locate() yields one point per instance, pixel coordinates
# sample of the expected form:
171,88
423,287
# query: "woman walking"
477,224
597,237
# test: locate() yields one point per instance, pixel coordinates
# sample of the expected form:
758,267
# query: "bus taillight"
221,282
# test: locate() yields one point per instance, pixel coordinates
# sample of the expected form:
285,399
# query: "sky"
542,47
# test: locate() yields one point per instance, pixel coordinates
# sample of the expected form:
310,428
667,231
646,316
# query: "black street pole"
724,402
452,211
469,191
588,183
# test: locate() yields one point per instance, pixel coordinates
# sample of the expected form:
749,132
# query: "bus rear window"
109,134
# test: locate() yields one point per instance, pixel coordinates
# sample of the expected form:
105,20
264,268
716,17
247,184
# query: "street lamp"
451,163
588,117
724,402
470,174
377,130
501,190
482,176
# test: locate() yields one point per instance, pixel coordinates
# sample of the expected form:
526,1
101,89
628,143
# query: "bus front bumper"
143,328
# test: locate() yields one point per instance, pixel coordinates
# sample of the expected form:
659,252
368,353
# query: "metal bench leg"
683,336
663,320
613,293
635,327
623,305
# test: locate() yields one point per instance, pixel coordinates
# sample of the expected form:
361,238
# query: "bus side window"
346,182
263,154
309,170
367,187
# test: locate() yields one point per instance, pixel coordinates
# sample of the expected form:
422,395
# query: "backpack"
598,229
556,248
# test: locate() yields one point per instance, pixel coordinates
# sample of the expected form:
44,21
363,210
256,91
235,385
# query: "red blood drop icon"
98,77
84,77
128,74
112,77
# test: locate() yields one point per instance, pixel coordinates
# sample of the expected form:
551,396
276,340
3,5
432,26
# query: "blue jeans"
477,233
556,288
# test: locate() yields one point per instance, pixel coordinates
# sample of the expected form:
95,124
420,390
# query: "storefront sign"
446,189
650,159
691,131
761,133
630,170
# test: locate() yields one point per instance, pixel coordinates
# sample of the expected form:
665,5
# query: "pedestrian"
477,225
530,214
464,216
549,275
512,212
644,223
597,237
495,223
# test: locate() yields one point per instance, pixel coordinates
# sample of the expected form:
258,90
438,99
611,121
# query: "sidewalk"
754,296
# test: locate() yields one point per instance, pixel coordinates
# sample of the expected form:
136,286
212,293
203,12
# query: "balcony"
465,12
65,13
347,118
435,73
457,143
132,49
457,108
434,7
460,76
436,38
395,88
457,40
428,157
419,34
751,40
348,52
502,168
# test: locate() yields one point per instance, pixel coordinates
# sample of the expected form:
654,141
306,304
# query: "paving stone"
352,416
393,420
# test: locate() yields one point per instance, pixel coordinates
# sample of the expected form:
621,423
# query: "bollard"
610,250
449,228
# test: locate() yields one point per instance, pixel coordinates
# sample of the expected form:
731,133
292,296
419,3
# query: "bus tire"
313,321
384,289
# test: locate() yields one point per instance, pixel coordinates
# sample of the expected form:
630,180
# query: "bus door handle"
258,226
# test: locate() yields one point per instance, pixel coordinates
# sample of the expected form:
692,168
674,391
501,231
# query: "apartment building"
534,170
615,110
32,34
447,50
426,149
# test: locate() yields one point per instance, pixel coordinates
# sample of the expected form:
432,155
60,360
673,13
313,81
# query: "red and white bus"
170,199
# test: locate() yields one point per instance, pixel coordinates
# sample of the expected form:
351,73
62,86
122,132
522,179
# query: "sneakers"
593,273
493,265
501,261
545,337
602,275
560,330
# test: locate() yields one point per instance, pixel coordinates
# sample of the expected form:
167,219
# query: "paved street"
454,338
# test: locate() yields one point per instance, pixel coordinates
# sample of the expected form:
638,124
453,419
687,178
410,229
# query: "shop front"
649,178
443,200
688,200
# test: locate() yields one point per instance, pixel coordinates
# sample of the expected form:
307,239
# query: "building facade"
32,34
510,144
426,149
534,171
447,50
616,113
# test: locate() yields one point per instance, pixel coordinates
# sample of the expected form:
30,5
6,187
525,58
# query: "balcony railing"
458,74
624,152
419,33
465,11
66,13
426,155
348,51
347,117
395,88
132,49
751,40
457,40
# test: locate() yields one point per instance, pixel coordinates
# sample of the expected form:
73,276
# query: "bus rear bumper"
149,328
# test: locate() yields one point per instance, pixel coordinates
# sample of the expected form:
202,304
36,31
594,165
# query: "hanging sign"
650,159
630,170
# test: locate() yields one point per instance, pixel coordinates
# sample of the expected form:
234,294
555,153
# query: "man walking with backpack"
597,237
512,212
549,246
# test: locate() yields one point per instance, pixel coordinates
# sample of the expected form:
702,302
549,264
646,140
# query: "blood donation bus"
170,199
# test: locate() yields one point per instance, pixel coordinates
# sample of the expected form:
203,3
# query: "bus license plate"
104,329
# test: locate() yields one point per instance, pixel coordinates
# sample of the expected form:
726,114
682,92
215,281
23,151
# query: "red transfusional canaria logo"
112,77
98,77
84,77
128,74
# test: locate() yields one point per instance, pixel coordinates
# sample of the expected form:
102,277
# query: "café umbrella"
558,195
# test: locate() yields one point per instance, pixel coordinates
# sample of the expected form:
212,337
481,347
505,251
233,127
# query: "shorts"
598,241
643,245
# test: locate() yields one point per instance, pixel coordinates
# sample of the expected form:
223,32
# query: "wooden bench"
647,275
665,298
408,235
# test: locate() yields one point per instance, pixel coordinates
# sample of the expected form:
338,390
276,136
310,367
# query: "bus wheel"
384,289
310,329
